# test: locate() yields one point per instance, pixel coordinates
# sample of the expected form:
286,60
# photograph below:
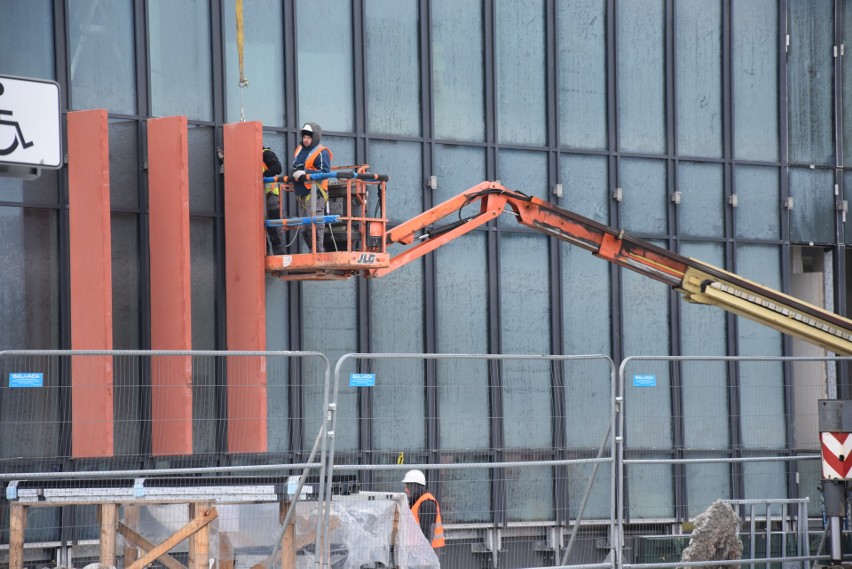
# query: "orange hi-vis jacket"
438,527
310,164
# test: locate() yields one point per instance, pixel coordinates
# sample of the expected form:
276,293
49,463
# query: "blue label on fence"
26,379
644,380
362,379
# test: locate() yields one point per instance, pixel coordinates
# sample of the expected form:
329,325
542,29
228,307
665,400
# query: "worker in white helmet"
425,507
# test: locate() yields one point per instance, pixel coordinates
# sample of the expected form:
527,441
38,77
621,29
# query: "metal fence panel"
523,462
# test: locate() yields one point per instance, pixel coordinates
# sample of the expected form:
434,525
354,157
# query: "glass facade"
717,120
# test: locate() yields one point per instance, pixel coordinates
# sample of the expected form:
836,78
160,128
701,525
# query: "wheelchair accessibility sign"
30,128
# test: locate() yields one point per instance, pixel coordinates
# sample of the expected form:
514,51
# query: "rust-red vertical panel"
245,251
171,302
91,283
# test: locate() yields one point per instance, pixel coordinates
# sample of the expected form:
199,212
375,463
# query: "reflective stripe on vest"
310,164
438,526
271,187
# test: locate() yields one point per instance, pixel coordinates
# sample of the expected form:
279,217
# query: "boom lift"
360,246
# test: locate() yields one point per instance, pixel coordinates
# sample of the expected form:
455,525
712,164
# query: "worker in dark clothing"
311,157
272,167
425,508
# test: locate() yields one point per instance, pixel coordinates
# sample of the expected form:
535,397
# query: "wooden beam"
109,520
288,539
131,549
199,522
17,525
199,542
138,541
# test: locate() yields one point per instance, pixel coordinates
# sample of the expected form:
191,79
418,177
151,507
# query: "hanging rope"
240,42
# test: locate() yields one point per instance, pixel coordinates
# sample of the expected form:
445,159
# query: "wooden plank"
199,522
138,541
288,540
108,514
199,542
17,525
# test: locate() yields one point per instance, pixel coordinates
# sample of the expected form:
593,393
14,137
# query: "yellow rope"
240,42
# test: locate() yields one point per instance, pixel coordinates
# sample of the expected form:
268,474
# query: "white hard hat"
415,476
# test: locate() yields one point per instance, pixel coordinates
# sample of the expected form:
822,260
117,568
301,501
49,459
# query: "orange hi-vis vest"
310,164
438,526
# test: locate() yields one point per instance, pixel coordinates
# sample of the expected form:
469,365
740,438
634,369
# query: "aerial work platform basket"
355,239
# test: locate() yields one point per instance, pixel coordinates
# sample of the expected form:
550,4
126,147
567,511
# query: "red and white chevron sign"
836,455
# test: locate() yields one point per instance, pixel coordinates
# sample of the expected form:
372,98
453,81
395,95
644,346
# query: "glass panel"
650,492
342,148
646,331
524,171
278,376
202,246
529,491
461,293
393,73
809,81
812,216
764,480
457,70
761,383
263,62
581,41
706,483
702,331
457,168
760,263
278,404
640,72
645,196
701,210
847,85
42,190
466,493
125,282
520,71
585,186
325,67
757,214
525,329
330,326
698,77
402,161
526,388
101,56
646,314
202,170
399,398
26,39
30,290
277,314
586,310
123,165
755,79
847,226
179,40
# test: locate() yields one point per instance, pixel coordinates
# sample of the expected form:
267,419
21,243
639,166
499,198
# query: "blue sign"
644,380
362,379
26,379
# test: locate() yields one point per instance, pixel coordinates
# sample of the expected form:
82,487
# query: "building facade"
720,129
